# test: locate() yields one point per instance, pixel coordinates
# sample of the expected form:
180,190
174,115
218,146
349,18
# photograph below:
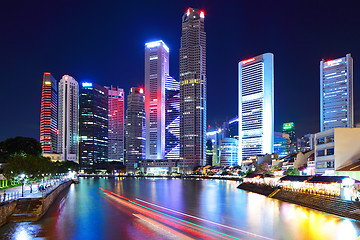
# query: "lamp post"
22,178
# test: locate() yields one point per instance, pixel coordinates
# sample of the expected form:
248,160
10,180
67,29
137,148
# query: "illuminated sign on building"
190,81
288,126
202,14
86,84
156,44
248,61
47,83
335,62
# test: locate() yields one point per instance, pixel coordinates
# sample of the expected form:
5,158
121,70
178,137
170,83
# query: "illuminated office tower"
336,93
135,129
49,114
281,144
93,125
68,121
116,124
172,118
256,106
229,152
156,71
193,89
289,128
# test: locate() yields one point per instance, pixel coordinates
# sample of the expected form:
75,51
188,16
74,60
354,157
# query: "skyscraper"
49,114
229,152
135,129
281,142
336,93
68,121
93,125
289,128
256,106
156,71
193,89
172,118
116,124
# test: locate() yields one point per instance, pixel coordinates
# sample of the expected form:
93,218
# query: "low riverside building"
335,149
54,157
159,166
337,186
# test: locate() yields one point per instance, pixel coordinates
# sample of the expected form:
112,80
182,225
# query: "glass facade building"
135,129
93,124
229,152
116,124
336,93
49,115
172,118
289,128
256,106
281,143
156,71
193,89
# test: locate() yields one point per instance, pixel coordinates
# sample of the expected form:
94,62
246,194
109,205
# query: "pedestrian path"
16,192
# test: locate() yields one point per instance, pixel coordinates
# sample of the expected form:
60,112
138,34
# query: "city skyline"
31,71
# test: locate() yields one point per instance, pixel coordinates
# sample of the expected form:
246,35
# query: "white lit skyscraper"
68,120
156,71
256,106
336,93
193,89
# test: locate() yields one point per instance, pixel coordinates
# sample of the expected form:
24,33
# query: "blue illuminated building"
93,125
172,118
336,93
281,144
256,106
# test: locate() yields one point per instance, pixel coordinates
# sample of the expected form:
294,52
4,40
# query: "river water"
156,208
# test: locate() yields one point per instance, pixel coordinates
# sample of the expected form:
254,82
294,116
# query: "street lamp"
22,178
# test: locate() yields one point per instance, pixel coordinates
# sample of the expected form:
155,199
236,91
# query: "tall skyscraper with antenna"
193,89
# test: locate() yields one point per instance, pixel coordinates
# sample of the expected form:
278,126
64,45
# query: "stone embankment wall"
6,209
328,204
29,209
52,196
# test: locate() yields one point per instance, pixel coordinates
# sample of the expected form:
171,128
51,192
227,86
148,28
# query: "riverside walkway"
14,193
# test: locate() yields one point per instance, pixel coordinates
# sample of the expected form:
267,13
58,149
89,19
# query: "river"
157,208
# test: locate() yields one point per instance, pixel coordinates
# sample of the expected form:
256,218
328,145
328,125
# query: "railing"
49,188
9,196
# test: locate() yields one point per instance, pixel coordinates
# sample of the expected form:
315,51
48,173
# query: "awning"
295,178
329,179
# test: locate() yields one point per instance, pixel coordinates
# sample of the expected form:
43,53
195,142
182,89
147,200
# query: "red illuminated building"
48,117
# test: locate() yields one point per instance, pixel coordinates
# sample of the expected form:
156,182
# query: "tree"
292,171
21,146
34,167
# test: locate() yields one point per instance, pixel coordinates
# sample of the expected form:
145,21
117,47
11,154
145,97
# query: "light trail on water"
138,201
205,220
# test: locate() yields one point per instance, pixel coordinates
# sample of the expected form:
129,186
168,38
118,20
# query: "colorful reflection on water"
155,208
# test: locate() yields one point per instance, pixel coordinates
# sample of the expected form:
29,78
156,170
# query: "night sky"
103,42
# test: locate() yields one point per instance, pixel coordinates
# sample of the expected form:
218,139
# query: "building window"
329,139
330,164
320,141
330,151
320,153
